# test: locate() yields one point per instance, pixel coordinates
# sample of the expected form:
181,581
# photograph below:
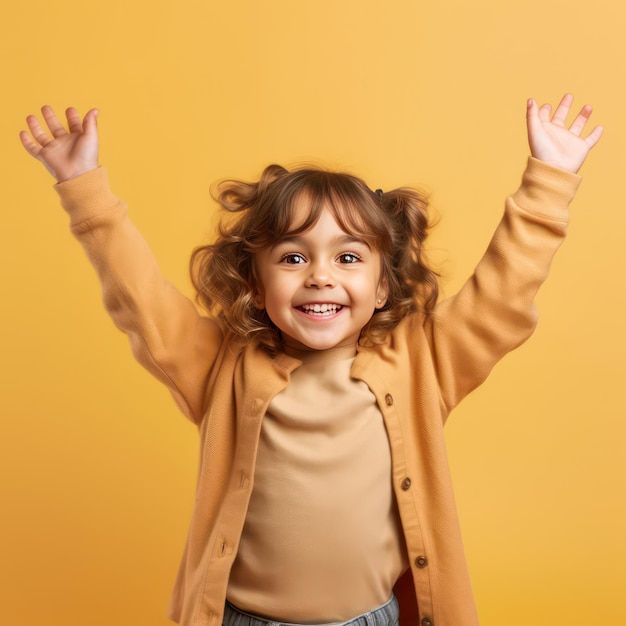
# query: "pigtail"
408,208
412,285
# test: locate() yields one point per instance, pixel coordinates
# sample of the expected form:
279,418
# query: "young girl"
321,381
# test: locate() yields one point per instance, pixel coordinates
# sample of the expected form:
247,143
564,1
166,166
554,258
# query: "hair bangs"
357,211
301,201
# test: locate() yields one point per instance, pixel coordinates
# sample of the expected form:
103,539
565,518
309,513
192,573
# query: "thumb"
533,123
532,115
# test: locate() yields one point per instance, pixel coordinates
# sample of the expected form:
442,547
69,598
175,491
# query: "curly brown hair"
260,214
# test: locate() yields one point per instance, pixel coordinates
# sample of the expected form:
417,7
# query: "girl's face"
320,287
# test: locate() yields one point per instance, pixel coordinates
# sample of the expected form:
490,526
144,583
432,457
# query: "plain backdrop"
97,466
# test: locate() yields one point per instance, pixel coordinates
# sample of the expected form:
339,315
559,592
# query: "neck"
307,355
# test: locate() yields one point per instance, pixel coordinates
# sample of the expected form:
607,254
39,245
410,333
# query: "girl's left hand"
552,142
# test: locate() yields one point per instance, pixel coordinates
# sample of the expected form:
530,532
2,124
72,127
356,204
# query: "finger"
31,147
545,111
594,136
56,128
560,115
90,123
73,120
37,132
532,115
581,119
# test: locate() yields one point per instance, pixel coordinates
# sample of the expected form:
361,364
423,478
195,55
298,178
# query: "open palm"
552,142
65,153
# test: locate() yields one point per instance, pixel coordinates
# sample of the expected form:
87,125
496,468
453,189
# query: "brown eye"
349,257
292,258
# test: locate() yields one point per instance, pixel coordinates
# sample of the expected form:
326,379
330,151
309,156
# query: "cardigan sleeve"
494,311
167,334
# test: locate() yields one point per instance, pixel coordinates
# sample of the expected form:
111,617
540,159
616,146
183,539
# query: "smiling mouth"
322,310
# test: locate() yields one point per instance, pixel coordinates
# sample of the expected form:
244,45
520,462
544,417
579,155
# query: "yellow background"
97,467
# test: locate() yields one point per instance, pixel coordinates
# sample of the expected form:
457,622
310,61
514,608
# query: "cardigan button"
388,399
421,561
406,484
426,621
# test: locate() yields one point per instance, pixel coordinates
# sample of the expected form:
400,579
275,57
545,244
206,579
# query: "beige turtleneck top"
322,540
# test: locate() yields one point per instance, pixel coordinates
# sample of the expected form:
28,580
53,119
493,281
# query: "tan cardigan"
425,368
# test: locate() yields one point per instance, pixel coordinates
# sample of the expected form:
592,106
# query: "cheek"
278,292
364,290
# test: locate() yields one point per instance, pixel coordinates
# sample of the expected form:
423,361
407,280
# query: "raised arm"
494,312
166,333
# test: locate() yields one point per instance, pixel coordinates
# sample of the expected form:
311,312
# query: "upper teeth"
321,308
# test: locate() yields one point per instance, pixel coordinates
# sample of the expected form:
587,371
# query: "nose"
320,276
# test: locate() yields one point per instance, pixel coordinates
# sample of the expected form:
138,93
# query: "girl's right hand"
64,154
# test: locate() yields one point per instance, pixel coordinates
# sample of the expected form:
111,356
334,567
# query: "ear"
256,288
258,294
382,293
